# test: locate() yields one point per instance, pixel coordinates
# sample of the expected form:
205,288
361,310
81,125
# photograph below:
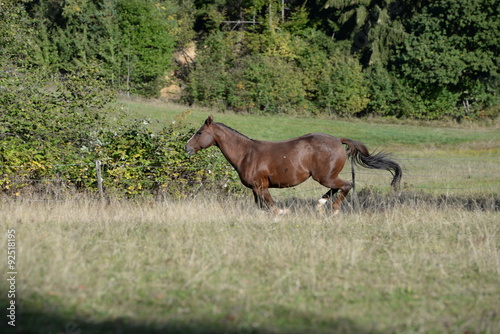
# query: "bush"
47,123
344,88
266,84
453,62
278,73
385,93
52,132
334,79
138,161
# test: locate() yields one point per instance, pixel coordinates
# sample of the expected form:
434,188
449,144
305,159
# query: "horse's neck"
234,146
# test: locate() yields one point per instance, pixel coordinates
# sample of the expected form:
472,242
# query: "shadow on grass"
369,200
46,322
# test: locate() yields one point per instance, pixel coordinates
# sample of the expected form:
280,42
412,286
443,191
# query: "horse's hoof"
280,212
336,212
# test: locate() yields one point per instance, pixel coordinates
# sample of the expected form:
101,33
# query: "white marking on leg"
321,204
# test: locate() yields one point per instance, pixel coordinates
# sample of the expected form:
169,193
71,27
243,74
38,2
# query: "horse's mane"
233,130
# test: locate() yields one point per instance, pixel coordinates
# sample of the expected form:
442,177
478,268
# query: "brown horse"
262,165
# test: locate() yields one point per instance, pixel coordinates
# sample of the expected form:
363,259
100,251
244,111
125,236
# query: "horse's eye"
198,133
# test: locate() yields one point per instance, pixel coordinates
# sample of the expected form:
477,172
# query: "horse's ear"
209,120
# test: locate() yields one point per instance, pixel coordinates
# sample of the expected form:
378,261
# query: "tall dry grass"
214,266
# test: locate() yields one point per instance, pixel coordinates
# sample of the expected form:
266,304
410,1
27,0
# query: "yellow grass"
214,266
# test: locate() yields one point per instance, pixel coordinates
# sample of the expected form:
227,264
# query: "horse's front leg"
265,201
263,198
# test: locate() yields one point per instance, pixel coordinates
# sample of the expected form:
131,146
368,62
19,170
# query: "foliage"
372,27
130,42
54,127
44,123
452,57
52,131
444,68
442,56
384,93
208,82
267,84
343,88
392,97
147,44
137,160
279,73
17,45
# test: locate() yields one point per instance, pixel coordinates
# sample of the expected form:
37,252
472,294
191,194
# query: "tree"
452,54
147,44
129,42
373,27
17,45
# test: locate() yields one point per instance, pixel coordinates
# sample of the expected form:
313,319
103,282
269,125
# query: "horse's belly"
287,178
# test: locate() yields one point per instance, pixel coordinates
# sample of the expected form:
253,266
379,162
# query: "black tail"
380,160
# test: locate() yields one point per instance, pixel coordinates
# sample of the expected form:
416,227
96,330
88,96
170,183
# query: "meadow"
221,266
424,260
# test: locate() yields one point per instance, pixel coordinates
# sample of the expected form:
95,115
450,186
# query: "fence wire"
493,178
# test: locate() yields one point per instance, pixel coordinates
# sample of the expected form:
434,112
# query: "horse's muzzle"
189,150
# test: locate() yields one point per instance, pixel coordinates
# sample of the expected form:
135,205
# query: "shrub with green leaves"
138,161
208,82
53,131
265,84
47,122
343,88
278,73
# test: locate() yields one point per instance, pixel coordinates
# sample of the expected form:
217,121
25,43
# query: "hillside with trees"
396,58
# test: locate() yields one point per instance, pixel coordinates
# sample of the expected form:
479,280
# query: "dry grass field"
425,260
222,266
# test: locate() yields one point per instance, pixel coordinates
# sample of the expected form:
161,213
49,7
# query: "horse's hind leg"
335,185
340,198
324,199
330,193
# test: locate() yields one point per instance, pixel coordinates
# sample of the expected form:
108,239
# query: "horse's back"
312,146
310,138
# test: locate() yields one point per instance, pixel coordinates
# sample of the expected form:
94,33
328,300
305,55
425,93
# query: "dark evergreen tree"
452,56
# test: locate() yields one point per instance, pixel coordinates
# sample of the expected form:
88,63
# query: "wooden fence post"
354,192
99,178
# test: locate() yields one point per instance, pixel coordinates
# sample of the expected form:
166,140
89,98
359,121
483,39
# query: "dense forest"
398,58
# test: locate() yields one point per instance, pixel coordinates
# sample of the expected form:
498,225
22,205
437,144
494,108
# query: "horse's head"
203,138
